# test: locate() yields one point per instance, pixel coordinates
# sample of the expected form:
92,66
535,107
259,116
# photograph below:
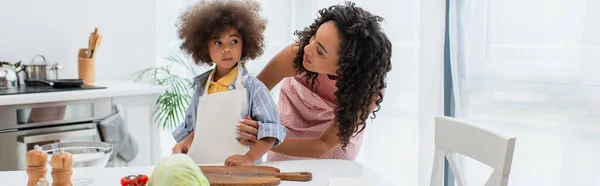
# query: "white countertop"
325,173
113,89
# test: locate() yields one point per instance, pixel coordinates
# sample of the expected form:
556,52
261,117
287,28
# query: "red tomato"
142,179
134,180
125,181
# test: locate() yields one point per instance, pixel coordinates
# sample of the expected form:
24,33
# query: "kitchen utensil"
36,165
21,74
59,83
88,158
9,75
87,70
83,53
54,71
250,175
36,70
93,42
96,45
62,168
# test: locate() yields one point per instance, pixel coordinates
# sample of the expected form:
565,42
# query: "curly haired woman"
225,33
333,79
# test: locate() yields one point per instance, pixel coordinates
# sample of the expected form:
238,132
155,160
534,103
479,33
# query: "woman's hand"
247,131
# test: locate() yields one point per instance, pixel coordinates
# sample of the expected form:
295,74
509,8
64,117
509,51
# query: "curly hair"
365,54
208,19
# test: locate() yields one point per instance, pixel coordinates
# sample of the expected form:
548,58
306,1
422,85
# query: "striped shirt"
261,108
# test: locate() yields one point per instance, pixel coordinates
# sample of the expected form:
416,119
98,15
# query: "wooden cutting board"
250,175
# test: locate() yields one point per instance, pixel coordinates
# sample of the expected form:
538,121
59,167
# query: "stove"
43,89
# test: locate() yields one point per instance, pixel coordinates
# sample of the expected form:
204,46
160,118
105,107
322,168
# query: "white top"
325,173
113,89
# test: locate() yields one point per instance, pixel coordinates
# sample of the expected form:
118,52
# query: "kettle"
10,74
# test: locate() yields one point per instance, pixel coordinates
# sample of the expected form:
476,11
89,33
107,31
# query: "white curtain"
529,69
403,128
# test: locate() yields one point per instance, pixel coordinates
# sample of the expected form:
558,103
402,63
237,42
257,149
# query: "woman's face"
321,55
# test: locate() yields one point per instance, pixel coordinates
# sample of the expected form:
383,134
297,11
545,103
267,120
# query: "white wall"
58,28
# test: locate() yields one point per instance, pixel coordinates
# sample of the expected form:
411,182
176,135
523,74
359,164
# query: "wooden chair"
455,136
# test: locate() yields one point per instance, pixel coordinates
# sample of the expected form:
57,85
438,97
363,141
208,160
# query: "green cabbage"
177,169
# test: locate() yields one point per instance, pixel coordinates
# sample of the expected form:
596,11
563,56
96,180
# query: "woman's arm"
281,66
315,148
312,148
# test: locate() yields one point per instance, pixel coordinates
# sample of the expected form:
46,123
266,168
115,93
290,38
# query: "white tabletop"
325,173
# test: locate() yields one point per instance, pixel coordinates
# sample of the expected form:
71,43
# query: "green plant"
173,102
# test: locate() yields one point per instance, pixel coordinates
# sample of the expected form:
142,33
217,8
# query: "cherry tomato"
142,179
125,181
134,180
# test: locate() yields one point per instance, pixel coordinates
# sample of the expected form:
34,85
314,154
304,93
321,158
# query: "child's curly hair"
208,19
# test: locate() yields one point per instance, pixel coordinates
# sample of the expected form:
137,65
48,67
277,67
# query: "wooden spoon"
96,45
92,42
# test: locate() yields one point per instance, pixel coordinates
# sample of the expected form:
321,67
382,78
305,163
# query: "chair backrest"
455,136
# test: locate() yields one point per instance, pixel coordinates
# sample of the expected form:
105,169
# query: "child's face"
226,50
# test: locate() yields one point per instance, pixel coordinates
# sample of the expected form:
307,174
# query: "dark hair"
208,19
365,54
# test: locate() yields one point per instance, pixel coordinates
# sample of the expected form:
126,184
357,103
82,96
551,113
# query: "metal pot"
39,69
36,70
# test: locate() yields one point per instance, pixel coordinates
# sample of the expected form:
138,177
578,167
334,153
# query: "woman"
333,79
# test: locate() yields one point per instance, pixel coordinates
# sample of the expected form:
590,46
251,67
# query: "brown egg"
36,157
62,160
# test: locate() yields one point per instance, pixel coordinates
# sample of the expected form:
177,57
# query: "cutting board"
250,175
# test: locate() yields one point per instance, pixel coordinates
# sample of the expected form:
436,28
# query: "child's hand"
238,160
181,148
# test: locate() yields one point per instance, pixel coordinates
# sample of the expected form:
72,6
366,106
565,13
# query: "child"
226,33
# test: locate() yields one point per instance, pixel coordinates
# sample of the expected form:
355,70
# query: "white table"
324,171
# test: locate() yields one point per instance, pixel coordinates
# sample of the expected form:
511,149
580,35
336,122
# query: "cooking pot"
36,70
39,69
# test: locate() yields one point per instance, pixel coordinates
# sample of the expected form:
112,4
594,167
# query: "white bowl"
89,158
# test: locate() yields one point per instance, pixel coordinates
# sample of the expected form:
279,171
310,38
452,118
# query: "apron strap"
238,81
208,82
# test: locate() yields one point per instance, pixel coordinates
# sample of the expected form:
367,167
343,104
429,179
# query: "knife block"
87,70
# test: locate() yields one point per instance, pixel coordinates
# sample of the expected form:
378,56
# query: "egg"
62,160
36,157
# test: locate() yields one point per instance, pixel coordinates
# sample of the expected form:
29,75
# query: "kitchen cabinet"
138,112
62,112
